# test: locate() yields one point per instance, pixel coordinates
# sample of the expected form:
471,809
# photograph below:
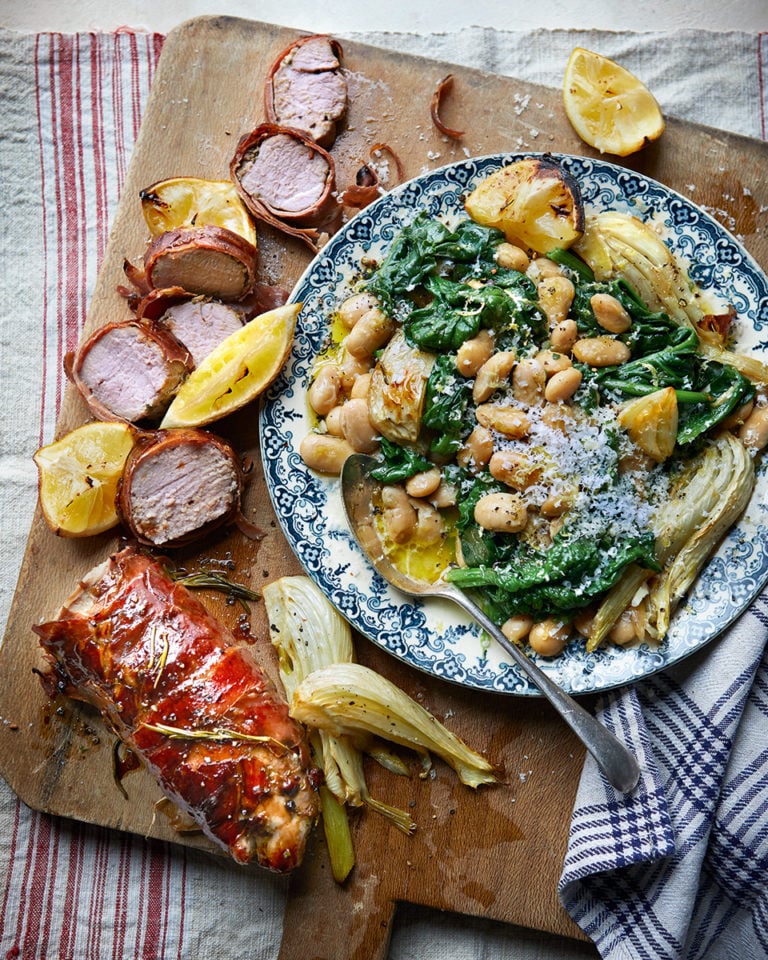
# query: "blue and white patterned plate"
435,636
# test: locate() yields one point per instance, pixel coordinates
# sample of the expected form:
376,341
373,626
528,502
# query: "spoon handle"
617,763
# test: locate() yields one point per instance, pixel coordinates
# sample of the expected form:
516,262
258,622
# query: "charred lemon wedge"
194,202
79,476
535,202
235,372
609,107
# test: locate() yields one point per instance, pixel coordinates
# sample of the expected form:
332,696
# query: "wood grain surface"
496,853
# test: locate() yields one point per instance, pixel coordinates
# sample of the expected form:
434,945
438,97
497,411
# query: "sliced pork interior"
210,261
201,325
179,485
286,175
129,371
306,89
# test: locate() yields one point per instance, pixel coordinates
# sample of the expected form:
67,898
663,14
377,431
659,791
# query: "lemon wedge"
194,202
236,371
608,106
79,475
535,202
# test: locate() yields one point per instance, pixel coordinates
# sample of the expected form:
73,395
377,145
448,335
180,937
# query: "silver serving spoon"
357,487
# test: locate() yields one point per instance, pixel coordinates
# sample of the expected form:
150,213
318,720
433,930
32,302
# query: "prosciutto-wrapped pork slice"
207,260
129,371
288,181
179,485
201,324
306,89
190,703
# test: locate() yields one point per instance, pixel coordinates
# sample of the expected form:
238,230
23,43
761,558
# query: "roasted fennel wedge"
707,498
316,666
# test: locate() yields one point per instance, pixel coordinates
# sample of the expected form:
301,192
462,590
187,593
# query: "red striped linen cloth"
72,106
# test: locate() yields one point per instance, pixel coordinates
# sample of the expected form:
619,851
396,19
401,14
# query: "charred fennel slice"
350,710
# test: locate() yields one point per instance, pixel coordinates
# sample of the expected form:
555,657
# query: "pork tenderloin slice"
129,371
178,485
201,325
210,261
289,182
286,176
306,89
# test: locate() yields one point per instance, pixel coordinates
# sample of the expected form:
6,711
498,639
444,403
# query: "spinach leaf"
565,578
398,463
725,389
447,398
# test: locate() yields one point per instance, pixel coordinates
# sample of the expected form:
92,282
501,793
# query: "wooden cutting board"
496,853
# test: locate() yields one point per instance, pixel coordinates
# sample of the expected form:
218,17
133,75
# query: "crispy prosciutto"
129,370
288,181
306,89
179,485
207,260
193,706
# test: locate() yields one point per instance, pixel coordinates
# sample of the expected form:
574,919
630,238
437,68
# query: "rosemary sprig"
211,580
219,734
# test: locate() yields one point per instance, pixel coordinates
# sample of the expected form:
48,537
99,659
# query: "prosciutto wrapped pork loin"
209,260
179,485
288,181
190,703
129,371
306,89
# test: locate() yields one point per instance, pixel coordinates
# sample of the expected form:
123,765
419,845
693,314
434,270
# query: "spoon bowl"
358,490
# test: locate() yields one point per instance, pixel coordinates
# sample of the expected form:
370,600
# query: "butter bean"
352,368
542,268
423,484
609,313
528,381
501,512
398,515
333,421
511,421
473,353
512,257
325,391
557,416
514,469
358,430
476,450
754,431
517,628
553,362
361,387
555,298
492,374
563,336
324,453
563,385
355,307
371,332
429,524
549,637
601,351
445,496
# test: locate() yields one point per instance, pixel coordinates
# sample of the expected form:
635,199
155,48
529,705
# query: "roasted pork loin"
129,371
179,485
190,703
306,88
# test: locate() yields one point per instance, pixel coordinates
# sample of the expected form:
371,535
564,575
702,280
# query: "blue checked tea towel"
679,868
